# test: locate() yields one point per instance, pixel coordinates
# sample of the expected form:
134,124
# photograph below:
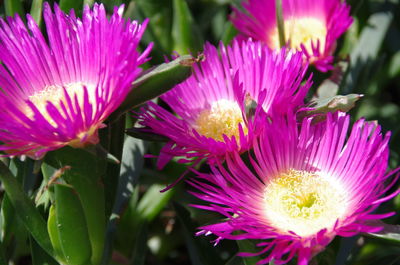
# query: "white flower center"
302,31
304,202
224,117
55,94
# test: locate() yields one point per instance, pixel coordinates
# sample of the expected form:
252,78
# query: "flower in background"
309,26
222,106
59,92
305,185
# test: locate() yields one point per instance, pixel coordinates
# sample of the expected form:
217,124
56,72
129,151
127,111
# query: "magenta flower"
310,26
304,186
59,92
213,105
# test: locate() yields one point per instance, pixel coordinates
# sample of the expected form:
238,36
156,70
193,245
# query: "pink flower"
310,26
59,92
305,185
215,107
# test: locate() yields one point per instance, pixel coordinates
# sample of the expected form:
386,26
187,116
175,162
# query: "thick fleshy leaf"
367,47
247,246
185,34
200,251
333,104
13,7
71,225
142,133
86,180
3,259
113,140
25,209
153,202
229,33
39,256
67,5
140,249
390,233
330,86
54,234
235,260
131,166
156,82
36,10
347,244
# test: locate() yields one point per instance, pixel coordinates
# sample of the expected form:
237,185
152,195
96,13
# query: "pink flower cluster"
291,183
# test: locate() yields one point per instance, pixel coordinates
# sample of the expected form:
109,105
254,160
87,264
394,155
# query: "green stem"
25,209
280,23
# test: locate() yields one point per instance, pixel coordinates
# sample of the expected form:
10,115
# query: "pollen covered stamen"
303,202
304,31
223,117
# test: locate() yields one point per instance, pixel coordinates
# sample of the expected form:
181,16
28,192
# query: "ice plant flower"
59,92
303,186
310,26
215,107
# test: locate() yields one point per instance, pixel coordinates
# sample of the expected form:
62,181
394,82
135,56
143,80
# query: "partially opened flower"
59,92
215,107
305,185
309,25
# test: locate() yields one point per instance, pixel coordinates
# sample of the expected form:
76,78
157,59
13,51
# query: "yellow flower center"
223,117
304,202
302,31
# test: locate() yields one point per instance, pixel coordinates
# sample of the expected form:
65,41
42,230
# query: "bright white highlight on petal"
223,117
304,202
55,94
304,31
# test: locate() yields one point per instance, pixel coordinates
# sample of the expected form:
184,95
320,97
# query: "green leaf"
131,167
142,133
67,5
235,260
140,249
367,47
88,2
185,34
25,209
330,87
229,33
280,22
3,259
156,82
113,139
394,66
39,256
200,251
14,6
71,225
248,246
54,234
7,218
86,180
153,201
333,104
347,244
36,10
390,233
